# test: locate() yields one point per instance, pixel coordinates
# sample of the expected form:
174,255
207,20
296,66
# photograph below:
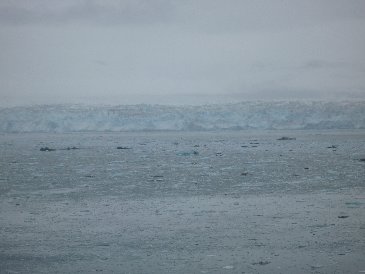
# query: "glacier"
234,116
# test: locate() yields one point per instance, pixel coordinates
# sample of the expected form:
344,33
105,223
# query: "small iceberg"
187,153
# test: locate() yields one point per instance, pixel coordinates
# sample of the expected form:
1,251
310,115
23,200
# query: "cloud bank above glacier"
180,52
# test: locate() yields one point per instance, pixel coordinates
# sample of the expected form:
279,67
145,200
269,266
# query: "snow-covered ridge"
246,115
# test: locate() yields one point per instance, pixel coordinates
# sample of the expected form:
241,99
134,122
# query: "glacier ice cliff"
245,115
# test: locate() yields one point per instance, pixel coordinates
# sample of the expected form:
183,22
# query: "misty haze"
197,136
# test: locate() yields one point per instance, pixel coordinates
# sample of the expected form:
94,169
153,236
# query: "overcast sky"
180,52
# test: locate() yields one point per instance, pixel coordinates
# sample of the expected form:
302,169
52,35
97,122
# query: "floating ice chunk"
124,148
46,149
187,153
285,138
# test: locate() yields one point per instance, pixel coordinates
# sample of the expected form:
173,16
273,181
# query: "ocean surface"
183,202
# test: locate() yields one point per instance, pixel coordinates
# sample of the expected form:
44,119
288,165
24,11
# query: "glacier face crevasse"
245,115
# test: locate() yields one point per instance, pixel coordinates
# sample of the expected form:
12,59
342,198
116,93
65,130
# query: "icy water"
173,202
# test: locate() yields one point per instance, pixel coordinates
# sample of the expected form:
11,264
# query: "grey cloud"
187,51
93,12
208,15
100,62
331,65
319,64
